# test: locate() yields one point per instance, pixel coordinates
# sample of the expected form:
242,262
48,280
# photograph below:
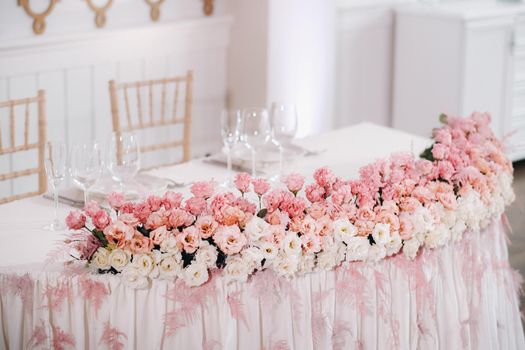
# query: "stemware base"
55,226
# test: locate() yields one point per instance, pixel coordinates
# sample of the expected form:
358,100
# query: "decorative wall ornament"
39,19
155,9
208,7
100,12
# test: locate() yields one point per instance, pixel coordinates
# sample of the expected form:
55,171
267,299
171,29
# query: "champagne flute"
256,131
55,165
283,122
123,157
86,166
230,129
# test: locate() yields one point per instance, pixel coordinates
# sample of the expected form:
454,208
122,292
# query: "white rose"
381,234
437,237
207,254
256,229
411,247
291,244
343,230
449,218
169,245
376,253
169,266
357,248
236,269
252,257
100,259
306,263
133,279
144,263
457,230
286,265
195,274
118,259
269,250
393,245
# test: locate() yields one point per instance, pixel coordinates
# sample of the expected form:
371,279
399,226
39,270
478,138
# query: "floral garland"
397,206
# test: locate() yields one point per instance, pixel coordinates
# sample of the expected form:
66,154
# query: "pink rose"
294,182
154,202
180,217
91,208
314,192
156,219
101,220
317,209
242,182
159,234
116,200
202,189
189,237
140,244
206,226
196,205
230,239
311,243
75,220
119,232
171,200
260,186
324,177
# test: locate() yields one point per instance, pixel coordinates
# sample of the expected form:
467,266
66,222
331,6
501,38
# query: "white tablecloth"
458,297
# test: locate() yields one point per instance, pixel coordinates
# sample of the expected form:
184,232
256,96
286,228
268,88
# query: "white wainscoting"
74,70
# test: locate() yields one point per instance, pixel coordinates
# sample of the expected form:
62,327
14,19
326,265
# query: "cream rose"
195,274
236,269
132,278
169,245
381,234
343,230
376,252
291,244
100,259
357,248
144,263
411,247
118,259
169,266
269,250
206,254
256,228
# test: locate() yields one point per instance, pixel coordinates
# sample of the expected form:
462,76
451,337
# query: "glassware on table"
85,166
55,165
123,157
283,122
230,133
255,131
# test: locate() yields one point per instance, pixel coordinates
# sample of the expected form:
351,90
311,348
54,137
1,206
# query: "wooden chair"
14,147
149,120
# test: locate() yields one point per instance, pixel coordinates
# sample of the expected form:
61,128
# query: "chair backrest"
14,145
151,118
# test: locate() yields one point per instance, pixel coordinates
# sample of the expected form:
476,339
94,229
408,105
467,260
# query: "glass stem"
55,198
253,164
280,161
229,160
86,199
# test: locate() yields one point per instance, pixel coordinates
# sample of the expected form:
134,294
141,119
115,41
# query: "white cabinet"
457,58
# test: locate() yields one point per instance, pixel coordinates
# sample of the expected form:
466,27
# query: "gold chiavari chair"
149,120
14,146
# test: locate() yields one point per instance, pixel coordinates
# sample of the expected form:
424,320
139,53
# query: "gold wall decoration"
208,7
100,12
155,9
39,19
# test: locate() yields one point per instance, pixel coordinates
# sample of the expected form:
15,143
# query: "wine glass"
123,157
230,130
55,165
85,166
255,131
283,122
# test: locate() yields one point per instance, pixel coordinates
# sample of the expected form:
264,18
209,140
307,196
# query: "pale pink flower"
142,211
388,217
439,151
315,193
180,217
171,200
75,220
196,205
140,244
202,189
154,202
101,219
447,199
409,204
156,219
294,182
116,200
308,225
230,239
275,234
260,186
242,182
423,166
206,226
294,206
317,210
230,215
324,177
127,208
92,208
159,234
277,217
406,226
311,243
273,199
323,226
342,195
129,219
446,170
119,232
245,205
190,239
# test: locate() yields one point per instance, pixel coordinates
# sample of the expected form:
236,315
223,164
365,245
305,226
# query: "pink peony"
190,239
230,239
260,186
116,200
75,220
171,200
202,189
314,192
294,182
101,220
242,182
196,205
206,226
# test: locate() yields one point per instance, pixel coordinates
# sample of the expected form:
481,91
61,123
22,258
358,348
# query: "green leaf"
262,213
427,154
100,236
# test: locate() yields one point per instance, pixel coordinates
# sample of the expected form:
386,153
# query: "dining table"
461,296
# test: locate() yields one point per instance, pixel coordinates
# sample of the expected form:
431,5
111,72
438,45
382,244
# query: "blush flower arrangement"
396,206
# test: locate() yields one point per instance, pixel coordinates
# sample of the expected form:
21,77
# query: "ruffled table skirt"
463,296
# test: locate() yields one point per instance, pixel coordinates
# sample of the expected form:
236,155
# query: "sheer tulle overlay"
461,296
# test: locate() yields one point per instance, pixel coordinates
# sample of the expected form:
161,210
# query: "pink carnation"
242,182
129,219
180,217
127,208
294,207
314,192
154,202
91,208
273,199
75,220
230,239
294,182
439,151
142,211
101,220
156,219
202,189
171,200
116,200
260,186
196,205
